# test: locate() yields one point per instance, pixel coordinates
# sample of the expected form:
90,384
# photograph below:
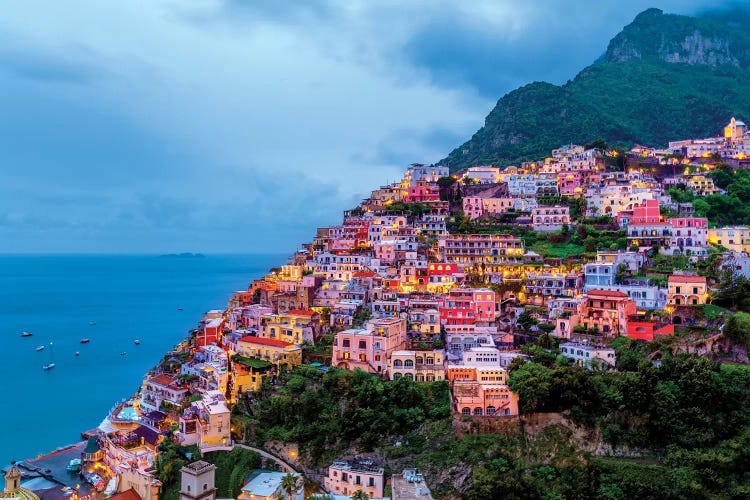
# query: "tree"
526,320
360,495
289,484
589,244
737,328
532,383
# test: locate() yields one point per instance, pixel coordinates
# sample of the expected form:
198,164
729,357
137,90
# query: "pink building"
423,191
370,348
211,332
570,183
466,306
347,477
475,207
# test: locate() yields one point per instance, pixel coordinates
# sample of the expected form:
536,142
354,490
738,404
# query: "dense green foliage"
326,413
606,100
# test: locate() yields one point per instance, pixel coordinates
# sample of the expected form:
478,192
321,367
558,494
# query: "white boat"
137,342
51,363
26,334
40,348
123,353
92,323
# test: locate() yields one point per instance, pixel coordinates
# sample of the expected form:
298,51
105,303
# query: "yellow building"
422,366
735,238
293,327
702,185
275,351
687,290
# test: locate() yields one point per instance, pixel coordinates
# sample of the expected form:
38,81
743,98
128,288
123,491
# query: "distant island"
184,255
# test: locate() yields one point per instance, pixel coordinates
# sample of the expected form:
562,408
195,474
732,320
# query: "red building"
645,330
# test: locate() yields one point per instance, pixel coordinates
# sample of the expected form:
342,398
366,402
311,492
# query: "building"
162,390
369,348
686,290
475,207
422,366
483,174
605,312
13,488
262,484
472,398
734,238
466,306
277,352
471,249
547,218
689,236
588,355
294,327
348,477
197,481
206,422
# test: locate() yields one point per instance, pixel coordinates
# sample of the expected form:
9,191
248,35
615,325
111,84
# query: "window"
465,412
362,344
345,343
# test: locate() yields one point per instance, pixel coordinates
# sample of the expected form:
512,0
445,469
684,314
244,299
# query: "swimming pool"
128,413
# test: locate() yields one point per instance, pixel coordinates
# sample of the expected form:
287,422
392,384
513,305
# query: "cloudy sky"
150,126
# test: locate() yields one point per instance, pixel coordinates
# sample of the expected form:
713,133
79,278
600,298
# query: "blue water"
129,297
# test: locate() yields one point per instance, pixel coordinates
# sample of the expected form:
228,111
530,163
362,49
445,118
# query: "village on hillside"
441,276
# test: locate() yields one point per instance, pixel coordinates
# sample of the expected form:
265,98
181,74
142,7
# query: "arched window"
408,363
465,412
397,363
477,412
490,410
409,376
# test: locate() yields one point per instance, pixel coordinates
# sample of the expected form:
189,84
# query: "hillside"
663,77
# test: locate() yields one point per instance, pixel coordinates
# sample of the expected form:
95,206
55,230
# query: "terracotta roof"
162,379
301,312
130,494
607,293
686,279
264,341
364,274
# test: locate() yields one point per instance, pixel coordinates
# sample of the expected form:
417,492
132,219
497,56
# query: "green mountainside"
663,77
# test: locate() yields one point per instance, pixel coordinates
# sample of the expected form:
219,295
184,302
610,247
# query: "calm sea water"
129,297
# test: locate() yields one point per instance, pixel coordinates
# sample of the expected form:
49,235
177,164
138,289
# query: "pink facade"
466,306
646,213
211,332
471,398
475,207
422,191
369,349
570,183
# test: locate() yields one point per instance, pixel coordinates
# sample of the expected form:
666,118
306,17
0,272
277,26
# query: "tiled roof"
130,494
301,312
264,341
687,279
608,293
162,379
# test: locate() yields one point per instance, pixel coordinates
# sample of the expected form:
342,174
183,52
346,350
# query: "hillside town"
441,276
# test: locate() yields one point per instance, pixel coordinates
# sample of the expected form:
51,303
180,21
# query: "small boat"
92,323
123,353
26,334
179,309
78,353
40,348
137,342
85,341
74,465
51,363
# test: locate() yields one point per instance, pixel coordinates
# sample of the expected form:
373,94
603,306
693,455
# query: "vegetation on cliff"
695,69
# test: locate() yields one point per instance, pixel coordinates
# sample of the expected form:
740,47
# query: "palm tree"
289,484
360,495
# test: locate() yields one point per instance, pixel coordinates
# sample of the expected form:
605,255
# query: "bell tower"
197,482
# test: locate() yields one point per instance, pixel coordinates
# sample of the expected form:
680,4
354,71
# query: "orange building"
471,398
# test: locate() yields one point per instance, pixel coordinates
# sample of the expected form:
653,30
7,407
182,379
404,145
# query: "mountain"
663,77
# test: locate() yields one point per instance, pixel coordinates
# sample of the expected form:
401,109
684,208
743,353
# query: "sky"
156,126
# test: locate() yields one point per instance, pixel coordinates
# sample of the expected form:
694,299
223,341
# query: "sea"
57,298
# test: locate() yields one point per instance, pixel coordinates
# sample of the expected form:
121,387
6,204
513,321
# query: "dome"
13,487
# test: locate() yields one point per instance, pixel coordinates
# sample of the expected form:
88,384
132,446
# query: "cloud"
241,126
